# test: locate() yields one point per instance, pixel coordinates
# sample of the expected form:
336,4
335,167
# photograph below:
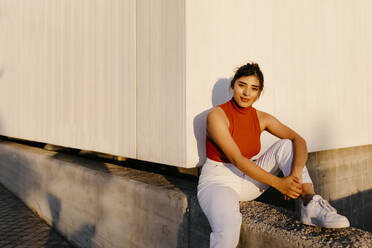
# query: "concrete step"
114,206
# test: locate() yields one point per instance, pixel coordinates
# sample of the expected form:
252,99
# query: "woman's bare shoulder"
262,114
217,114
263,118
217,110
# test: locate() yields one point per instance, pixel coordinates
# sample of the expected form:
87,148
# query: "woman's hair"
248,70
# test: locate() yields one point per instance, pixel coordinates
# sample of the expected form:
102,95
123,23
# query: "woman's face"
246,90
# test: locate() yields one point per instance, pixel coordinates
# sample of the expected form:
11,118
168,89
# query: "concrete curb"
265,224
96,204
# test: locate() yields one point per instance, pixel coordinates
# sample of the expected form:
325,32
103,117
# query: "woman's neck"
239,108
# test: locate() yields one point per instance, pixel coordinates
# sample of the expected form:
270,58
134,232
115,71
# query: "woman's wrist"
296,171
275,182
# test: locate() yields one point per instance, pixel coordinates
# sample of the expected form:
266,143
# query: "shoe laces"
326,206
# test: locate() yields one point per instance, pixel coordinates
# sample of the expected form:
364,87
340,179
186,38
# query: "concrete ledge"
96,204
343,177
266,224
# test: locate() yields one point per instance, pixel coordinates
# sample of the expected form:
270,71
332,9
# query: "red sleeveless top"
244,128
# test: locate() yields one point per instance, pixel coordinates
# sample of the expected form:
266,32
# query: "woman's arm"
217,130
275,127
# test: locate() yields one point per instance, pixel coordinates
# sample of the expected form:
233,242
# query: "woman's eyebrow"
253,85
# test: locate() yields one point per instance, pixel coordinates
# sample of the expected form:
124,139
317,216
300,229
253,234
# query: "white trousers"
222,185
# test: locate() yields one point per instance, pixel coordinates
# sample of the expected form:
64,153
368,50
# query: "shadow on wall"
87,231
358,209
221,93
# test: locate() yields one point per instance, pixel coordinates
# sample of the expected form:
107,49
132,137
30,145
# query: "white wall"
136,78
68,73
315,56
106,76
161,86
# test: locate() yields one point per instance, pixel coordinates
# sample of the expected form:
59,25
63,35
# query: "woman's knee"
225,218
284,154
233,222
287,143
286,146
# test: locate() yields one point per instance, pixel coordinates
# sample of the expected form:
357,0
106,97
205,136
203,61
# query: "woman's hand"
290,186
297,173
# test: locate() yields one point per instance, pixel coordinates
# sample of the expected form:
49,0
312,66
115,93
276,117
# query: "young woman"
229,175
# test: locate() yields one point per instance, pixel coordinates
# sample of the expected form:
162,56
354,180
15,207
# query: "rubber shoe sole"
343,224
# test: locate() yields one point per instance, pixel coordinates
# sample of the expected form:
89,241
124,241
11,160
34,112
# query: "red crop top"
244,128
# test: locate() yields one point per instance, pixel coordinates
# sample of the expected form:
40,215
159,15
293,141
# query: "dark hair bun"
248,69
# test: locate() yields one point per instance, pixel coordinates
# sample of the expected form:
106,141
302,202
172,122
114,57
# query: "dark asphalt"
20,227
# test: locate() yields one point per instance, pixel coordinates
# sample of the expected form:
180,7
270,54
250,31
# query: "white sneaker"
318,212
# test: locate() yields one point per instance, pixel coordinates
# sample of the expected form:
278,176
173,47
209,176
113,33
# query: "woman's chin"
244,104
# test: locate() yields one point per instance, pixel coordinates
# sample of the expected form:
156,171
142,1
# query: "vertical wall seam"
135,81
185,160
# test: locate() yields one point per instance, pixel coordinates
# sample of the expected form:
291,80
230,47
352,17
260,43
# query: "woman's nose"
246,91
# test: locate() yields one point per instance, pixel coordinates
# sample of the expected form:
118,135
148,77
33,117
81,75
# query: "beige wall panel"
137,78
315,56
161,134
68,72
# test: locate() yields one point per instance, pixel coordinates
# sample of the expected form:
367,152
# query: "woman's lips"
244,99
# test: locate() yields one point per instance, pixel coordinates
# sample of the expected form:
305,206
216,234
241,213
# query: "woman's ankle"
307,198
307,192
